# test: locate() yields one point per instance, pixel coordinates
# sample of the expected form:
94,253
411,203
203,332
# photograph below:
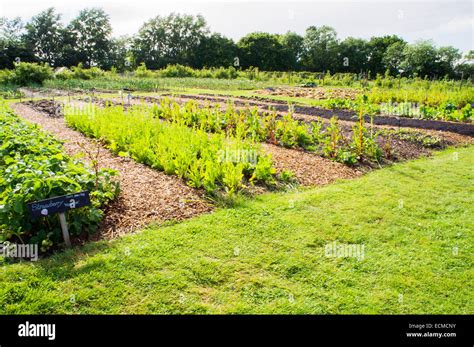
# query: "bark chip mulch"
309,169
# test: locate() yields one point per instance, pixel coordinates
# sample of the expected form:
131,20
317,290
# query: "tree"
320,49
264,51
353,55
394,57
44,36
420,59
293,43
173,39
12,44
377,48
447,57
120,55
465,68
215,51
89,37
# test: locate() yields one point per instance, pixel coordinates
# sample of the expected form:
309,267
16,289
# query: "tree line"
188,40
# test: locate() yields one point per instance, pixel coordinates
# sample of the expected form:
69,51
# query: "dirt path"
146,195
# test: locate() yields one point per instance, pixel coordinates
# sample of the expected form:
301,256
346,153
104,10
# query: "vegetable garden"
155,150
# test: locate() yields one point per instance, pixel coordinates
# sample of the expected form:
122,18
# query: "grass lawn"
415,221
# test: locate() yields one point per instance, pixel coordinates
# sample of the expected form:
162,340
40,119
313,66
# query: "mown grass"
415,219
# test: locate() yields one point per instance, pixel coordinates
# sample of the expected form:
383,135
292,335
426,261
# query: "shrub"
466,113
63,73
80,72
142,71
30,73
177,71
226,73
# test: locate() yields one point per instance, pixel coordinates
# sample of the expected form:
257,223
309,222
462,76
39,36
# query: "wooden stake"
62,220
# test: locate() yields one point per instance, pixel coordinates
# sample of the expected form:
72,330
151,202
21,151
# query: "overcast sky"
447,22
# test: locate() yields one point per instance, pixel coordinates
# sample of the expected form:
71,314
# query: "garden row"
219,162
33,166
250,124
415,98
396,104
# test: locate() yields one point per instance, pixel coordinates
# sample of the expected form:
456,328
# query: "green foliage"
64,74
44,36
187,40
9,91
175,148
82,73
34,167
172,39
466,113
265,51
177,71
30,73
13,45
88,38
288,132
143,72
320,49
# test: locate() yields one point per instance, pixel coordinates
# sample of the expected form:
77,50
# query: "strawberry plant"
34,167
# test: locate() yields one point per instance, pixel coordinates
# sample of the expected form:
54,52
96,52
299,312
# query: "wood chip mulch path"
146,195
309,169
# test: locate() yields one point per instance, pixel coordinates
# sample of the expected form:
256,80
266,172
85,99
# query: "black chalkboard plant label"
59,205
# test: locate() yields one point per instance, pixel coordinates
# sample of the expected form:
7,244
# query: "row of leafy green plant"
248,123
220,163
447,111
33,166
